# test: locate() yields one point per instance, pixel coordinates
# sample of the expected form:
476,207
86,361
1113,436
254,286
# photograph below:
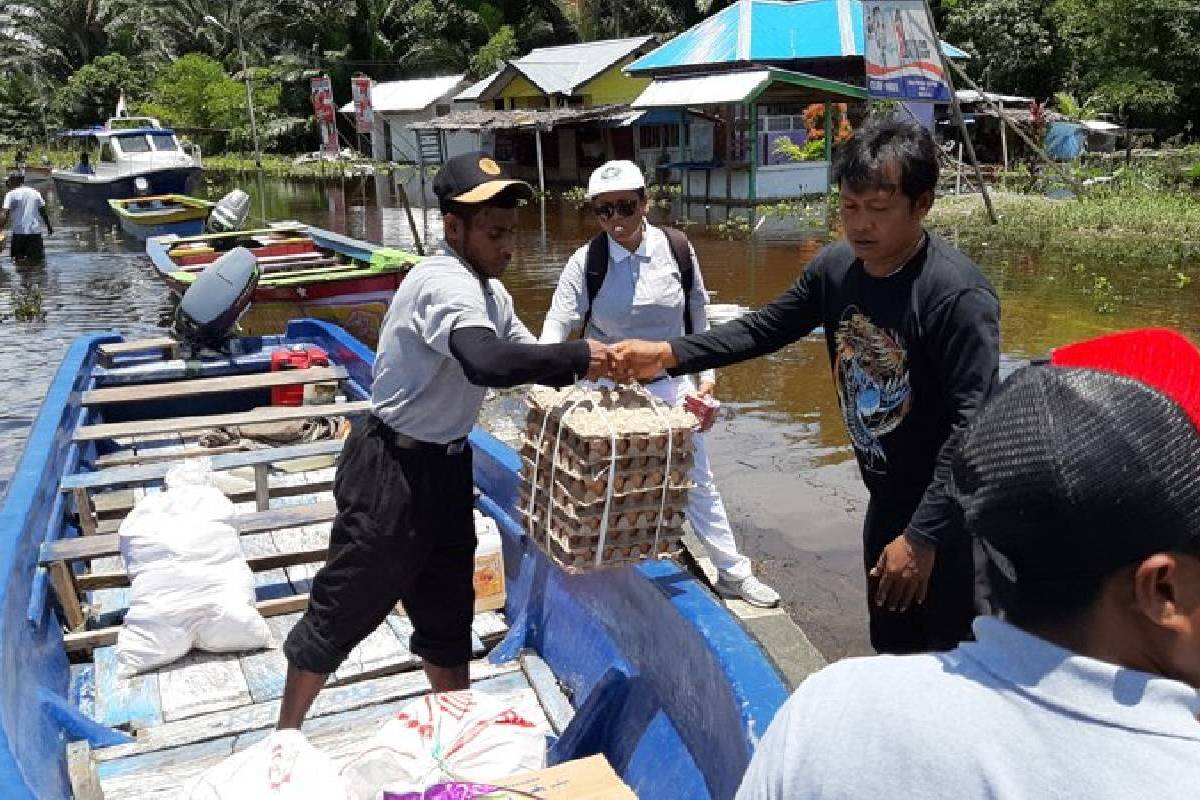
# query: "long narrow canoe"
298,262
640,664
143,217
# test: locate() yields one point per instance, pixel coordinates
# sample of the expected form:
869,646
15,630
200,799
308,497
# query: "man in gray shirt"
405,531
1081,477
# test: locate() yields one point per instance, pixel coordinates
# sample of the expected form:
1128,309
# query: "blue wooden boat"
143,217
640,664
127,157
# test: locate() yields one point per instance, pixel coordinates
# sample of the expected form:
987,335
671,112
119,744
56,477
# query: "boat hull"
91,193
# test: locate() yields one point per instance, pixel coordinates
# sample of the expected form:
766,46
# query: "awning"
737,87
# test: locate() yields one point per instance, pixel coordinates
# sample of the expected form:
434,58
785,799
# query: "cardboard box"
588,778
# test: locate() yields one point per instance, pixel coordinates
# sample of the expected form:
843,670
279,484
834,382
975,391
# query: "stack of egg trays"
569,505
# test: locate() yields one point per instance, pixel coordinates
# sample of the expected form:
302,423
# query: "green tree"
501,47
1141,58
1013,44
89,97
22,105
59,37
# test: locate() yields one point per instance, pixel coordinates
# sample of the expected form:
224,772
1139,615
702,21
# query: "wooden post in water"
412,223
537,137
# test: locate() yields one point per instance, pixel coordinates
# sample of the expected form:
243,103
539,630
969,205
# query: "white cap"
615,176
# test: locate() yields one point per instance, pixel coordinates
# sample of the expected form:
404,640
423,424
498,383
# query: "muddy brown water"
779,451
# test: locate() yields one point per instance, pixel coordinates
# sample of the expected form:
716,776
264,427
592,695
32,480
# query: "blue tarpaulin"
1065,140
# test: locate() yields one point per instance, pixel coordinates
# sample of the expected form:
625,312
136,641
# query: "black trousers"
27,247
955,595
404,532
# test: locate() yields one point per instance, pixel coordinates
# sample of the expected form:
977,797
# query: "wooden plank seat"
166,345
148,473
82,484
305,261
112,507
253,417
206,386
89,547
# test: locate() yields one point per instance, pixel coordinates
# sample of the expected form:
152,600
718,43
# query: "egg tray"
638,484
594,450
626,517
574,539
570,462
582,561
590,418
625,527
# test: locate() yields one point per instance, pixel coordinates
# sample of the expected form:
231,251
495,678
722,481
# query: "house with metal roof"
541,142
398,104
758,67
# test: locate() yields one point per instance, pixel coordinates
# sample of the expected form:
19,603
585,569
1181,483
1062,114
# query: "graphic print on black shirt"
871,374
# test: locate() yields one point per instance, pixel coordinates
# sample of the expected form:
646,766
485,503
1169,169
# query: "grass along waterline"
1160,229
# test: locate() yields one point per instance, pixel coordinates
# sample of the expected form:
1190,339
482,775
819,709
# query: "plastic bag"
453,736
190,583
283,766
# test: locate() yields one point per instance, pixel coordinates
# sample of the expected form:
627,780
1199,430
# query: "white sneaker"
752,590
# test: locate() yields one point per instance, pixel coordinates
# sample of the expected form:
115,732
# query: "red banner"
364,115
325,111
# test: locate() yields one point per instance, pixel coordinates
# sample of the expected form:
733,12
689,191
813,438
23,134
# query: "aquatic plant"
27,304
1118,224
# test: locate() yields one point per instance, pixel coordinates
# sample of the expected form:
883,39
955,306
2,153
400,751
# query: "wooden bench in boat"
204,386
81,484
181,424
166,345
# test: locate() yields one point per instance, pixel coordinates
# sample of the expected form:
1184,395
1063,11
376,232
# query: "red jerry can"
297,356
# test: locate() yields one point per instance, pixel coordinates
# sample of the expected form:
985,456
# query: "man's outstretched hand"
636,359
600,360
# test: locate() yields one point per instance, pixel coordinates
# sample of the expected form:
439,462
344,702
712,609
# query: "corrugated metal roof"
972,96
472,92
768,30
730,87
414,95
562,69
733,87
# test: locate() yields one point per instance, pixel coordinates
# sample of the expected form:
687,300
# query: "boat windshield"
164,142
134,144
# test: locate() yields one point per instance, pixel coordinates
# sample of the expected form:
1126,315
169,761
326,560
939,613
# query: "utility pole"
237,23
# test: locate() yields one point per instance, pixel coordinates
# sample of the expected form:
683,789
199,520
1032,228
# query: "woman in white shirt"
642,297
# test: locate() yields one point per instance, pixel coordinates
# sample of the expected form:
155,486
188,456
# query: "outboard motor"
230,213
215,301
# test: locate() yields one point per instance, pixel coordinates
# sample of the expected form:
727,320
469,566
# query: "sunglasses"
621,208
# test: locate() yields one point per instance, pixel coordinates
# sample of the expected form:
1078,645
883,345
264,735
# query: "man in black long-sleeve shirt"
912,329
404,529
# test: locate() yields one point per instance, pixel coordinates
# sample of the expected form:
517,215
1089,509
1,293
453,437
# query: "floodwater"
780,454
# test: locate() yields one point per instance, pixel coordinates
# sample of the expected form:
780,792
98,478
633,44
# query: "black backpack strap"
594,270
682,254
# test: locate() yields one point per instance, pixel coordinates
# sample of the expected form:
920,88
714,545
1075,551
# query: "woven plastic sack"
284,766
190,583
453,736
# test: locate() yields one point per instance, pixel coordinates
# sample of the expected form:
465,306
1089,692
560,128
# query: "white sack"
463,736
284,766
190,583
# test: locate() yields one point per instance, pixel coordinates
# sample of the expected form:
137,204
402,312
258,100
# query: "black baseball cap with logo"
475,178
